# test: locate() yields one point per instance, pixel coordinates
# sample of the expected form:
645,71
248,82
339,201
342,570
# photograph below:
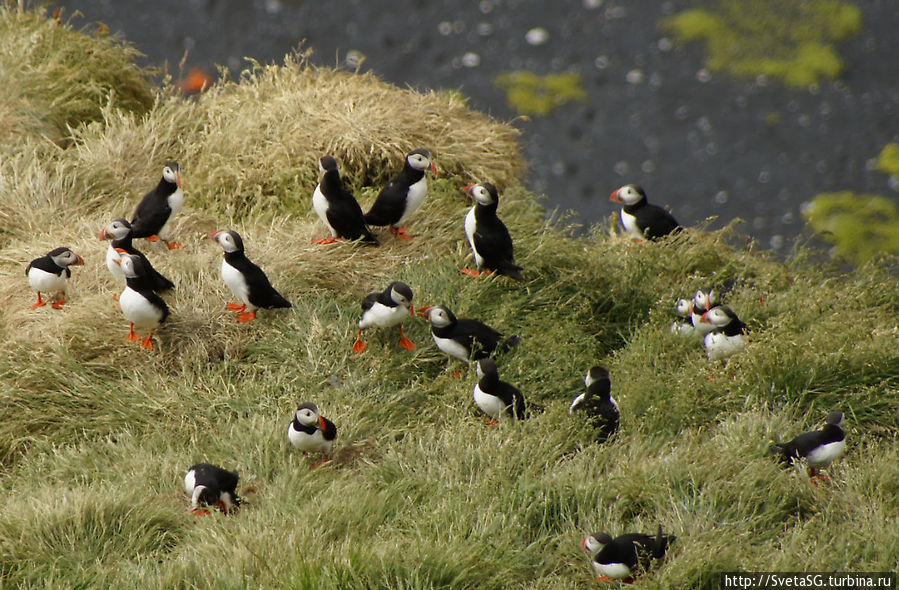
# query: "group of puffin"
618,558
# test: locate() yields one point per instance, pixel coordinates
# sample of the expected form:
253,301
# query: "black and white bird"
729,334
597,403
337,207
683,325
495,397
403,194
625,556
819,448
487,234
49,274
311,432
153,216
641,219
141,305
119,231
704,300
245,279
209,485
462,338
386,309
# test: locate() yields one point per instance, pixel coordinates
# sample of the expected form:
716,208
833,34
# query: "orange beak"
178,179
103,234
411,309
321,423
434,167
584,545
614,197
423,311
80,259
705,318
212,235
467,187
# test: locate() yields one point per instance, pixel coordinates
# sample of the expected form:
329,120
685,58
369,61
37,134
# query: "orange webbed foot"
407,344
490,421
359,346
457,374
197,511
470,272
235,306
400,232
328,240
247,316
173,245
132,335
115,296
38,304
146,342
153,238
603,579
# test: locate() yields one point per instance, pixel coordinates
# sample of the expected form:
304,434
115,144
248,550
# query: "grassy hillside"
96,434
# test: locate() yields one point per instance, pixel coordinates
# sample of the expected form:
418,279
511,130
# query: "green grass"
789,41
96,435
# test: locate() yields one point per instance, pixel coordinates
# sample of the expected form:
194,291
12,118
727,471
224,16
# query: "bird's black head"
421,159
327,163
440,316
400,292
64,257
171,173
229,240
596,373
486,366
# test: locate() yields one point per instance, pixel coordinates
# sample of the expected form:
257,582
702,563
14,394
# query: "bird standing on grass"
641,219
119,231
209,485
728,336
386,309
153,216
245,279
496,397
141,305
462,338
337,207
819,448
50,273
487,234
311,432
597,403
625,556
403,194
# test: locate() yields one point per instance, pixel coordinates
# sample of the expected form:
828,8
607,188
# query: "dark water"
697,141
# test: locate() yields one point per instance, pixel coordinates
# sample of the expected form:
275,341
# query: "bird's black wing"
262,294
151,214
480,338
657,221
494,245
389,204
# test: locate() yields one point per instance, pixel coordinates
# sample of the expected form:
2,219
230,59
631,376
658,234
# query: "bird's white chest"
383,316
415,197
617,571
190,482
314,442
451,347
46,282
175,202
720,346
470,228
630,224
235,281
320,204
826,454
139,310
114,269
489,404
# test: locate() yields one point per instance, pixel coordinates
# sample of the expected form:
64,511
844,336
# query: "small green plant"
859,226
791,41
888,160
530,94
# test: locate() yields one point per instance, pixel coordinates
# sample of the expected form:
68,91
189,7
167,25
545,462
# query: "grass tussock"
96,434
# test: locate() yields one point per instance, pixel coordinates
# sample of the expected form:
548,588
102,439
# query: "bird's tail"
513,271
782,451
508,344
661,543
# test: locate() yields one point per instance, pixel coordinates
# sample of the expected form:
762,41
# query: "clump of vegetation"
53,77
96,434
860,227
789,41
531,94
888,160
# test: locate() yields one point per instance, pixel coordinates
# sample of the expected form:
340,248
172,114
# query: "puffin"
683,325
245,279
209,485
496,397
624,556
598,404
403,194
729,334
309,431
337,207
463,338
119,231
641,219
487,234
141,305
154,213
386,309
50,273
704,300
819,448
